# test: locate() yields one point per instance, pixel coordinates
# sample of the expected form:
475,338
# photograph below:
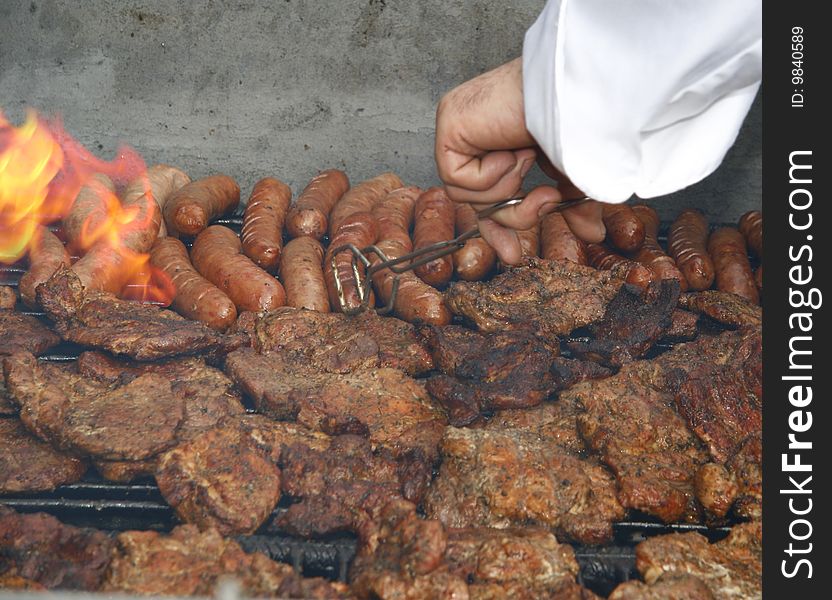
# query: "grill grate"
114,507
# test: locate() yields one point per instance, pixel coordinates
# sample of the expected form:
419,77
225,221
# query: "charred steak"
24,333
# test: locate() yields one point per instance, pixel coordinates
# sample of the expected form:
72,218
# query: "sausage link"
651,254
262,233
361,230
687,243
46,254
604,259
218,256
733,271
193,206
362,198
160,182
625,231
476,259
751,227
558,242
433,221
88,210
394,215
310,214
301,271
196,297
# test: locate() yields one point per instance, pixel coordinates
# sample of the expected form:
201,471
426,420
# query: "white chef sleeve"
640,96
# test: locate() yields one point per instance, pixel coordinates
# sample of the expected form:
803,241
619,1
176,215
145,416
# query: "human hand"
484,151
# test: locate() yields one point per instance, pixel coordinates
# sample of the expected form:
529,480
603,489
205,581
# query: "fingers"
504,241
537,203
585,221
490,178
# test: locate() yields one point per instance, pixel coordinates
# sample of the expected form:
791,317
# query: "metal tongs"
411,260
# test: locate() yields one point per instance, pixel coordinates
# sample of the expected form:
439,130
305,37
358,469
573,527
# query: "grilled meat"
547,298
716,489
74,413
394,410
24,333
554,422
188,562
41,549
336,343
8,297
731,568
682,326
7,405
746,466
513,477
723,307
566,372
677,587
125,471
142,331
30,465
633,321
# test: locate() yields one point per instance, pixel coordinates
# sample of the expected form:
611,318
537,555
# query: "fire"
42,171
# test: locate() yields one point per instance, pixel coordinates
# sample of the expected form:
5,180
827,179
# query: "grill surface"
115,507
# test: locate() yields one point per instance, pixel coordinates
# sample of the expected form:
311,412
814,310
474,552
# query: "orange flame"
42,170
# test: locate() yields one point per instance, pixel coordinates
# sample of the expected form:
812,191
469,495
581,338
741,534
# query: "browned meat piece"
188,562
338,489
336,343
8,297
566,372
516,563
394,410
555,422
677,587
142,331
716,489
682,326
13,582
24,333
731,568
7,405
722,403
125,471
112,422
30,465
514,477
41,549
401,556
632,323
628,419
747,468
723,307
548,298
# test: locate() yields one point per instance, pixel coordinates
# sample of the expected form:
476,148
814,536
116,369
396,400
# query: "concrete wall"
283,88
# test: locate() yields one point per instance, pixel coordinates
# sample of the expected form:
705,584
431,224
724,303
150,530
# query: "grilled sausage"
301,271
604,259
651,254
160,181
362,198
262,232
196,297
218,256
433,218
416,301
476,258
361,230
687,243
751,227
88,211
310,214
558,242
733,271
625,231
193,206
46,254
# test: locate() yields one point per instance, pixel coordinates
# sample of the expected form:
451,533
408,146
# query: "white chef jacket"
640,96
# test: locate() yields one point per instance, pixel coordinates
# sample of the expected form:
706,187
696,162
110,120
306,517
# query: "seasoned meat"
566,372
39,548
142,331
554,422
24,333
394,410
548,298
682,326
716,489
7,405
336,343
337,489
188,562
74,413
30,465
125,471
633,321
746,466
677,587
513,477
8,297
731,568
723,307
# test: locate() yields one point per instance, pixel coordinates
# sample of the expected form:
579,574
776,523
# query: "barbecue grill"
117,507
